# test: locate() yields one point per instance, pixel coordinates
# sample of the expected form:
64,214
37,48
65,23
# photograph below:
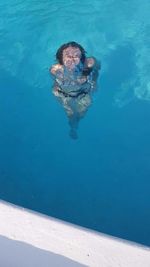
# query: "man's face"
71,57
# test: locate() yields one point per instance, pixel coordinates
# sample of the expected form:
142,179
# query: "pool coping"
62,242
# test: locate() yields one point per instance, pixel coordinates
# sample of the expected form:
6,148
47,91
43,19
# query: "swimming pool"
101,180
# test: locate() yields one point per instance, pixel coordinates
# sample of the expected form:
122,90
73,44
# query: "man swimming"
75,79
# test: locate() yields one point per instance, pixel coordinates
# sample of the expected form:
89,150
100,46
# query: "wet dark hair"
59,54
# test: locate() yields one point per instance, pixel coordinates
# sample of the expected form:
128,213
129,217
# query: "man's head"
70,55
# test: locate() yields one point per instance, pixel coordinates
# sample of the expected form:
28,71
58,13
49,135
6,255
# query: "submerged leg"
73,122
70,108
73,134
81,106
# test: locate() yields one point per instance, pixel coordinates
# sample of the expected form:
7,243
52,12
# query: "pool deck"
30,239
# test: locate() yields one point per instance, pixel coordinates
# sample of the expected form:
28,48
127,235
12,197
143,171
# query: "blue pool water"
102,179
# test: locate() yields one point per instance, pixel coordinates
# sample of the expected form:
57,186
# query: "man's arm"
94,67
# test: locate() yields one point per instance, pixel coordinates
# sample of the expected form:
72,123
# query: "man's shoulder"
54,68
92,62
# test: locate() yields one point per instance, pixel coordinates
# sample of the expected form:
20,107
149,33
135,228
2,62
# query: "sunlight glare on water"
33,31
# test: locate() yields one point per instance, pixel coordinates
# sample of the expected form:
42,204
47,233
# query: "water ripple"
31,33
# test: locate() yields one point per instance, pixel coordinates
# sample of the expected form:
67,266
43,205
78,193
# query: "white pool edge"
77,244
